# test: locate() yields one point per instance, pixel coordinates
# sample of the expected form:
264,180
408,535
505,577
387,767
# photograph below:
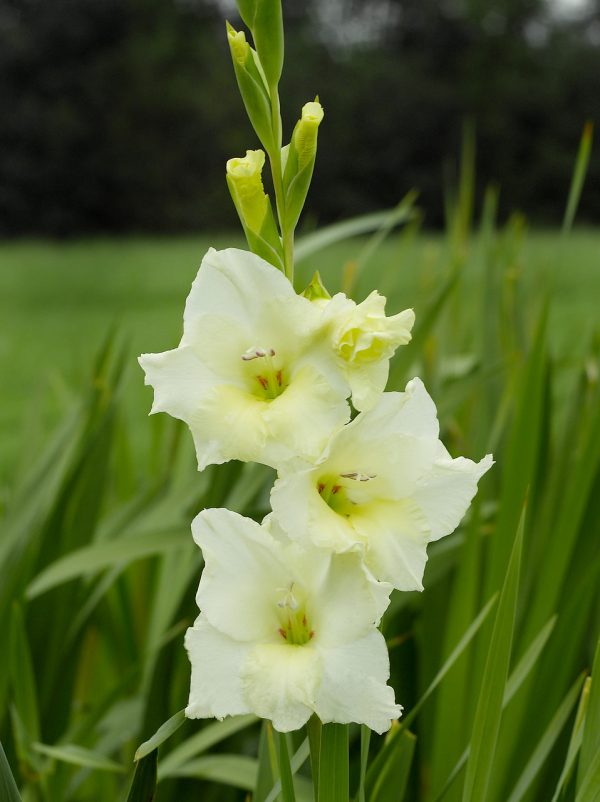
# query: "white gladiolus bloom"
285,631
385,486
252,377
364,340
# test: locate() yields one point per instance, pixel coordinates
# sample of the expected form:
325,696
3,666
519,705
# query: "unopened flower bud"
244,176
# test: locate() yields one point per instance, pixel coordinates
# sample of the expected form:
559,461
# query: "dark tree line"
118,115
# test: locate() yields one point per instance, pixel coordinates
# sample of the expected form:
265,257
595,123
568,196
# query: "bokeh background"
119,115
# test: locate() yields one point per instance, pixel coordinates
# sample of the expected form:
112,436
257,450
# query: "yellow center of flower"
295,627
334,490
267,376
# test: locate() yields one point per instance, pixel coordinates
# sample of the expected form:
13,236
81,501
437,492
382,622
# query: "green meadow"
491,662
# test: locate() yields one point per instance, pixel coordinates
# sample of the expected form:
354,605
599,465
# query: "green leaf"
267,773
581,165
94,558
590,744
310,244
547,742
8,787
489,707
590,786
333,764
393,774
365,740
296,763
234,770
285,770
160,736
23,677
528,660
453,657
518,675
143,787
208,736
574,741
78,756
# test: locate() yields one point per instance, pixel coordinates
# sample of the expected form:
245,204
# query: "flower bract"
285,631
251,376
385,486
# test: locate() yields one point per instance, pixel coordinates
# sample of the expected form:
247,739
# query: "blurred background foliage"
119,115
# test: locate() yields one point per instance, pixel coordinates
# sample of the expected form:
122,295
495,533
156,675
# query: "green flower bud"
251,83
305,133
299,157
244,179
264,18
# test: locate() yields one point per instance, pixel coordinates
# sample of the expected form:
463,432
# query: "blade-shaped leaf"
143,786
489,707
392,777
8,787
333,764
546,744
160,736
78,756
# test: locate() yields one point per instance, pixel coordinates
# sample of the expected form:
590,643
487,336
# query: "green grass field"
58,302
491,662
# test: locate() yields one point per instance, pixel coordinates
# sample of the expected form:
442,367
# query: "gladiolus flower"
250,377
385,486
285,631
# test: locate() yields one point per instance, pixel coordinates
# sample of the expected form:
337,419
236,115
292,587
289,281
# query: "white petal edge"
215,686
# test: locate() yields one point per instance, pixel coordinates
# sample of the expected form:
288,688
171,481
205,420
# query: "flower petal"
216,687
280,683
242,574
348,603
234,283
179,379
353,688
446,492
397,535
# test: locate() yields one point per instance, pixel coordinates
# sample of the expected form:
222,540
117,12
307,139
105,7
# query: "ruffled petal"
445,493
353,688
216,687
397,534
280,683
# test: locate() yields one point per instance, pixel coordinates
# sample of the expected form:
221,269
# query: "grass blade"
546,744
8,787
333,764
143,786
365,740
489,707
92,559
160,736
392,776
78,756
285,770
312,243
208,736
581,165
456,653
590,744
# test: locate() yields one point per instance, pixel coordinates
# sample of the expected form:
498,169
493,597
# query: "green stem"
276,171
